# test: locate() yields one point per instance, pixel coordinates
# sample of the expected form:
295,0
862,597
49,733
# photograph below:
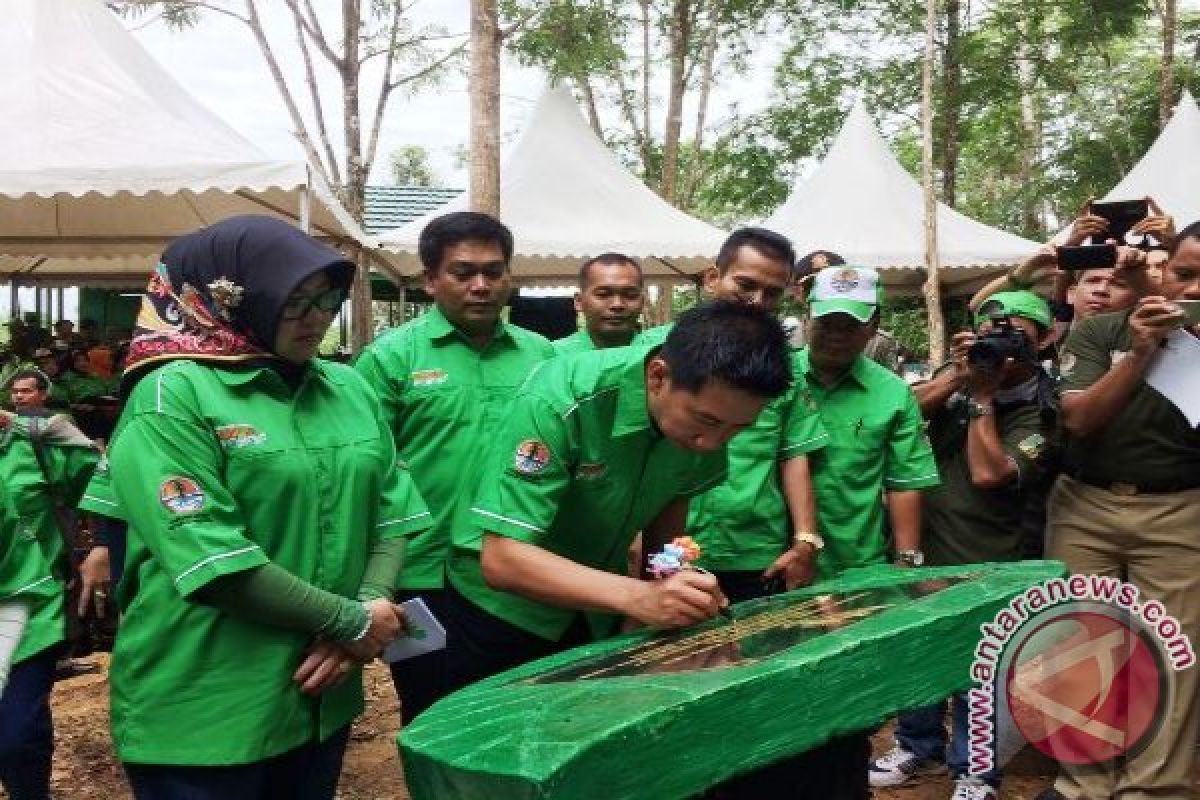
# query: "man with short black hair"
29,390
445,380
594,449
611,295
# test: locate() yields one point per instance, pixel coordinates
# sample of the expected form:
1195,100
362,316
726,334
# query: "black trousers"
421,681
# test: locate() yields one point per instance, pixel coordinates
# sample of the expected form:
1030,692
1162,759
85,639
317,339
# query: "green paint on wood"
610,719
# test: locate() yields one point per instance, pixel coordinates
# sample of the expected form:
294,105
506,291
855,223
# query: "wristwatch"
809,538
910,558
976,409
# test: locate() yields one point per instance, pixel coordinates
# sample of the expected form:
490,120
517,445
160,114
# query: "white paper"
1175,374
425,633
13,616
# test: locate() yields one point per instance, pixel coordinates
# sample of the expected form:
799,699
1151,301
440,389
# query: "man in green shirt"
44,462
992,419
612,293
445,381
757,531
1128,503
875,428
594,449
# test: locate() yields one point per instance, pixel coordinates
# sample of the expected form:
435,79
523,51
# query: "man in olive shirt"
594,449
1128,504
445,380
992,419
612,293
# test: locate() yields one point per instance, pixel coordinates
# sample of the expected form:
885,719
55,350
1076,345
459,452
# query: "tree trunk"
651,180
932,287
951,103
1166,72
708,58
484,171
354,191
1031,138
589,103
679,36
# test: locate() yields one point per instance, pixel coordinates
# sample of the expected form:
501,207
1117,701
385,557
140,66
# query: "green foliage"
410,167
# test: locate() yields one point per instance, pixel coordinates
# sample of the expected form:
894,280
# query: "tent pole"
306,201
62,305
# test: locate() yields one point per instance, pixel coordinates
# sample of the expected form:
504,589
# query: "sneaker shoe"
898,766
972,789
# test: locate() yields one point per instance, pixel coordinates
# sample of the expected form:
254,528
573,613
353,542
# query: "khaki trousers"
1153,542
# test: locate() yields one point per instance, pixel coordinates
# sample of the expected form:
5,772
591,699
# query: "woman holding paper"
267,515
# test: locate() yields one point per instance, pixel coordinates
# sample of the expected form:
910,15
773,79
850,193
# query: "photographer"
1128,503
992,417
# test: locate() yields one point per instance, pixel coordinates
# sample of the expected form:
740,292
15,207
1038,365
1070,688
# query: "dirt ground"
84,768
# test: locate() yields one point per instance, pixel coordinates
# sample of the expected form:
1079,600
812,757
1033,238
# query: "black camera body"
990,350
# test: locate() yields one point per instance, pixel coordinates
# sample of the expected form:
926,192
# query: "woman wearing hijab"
267,518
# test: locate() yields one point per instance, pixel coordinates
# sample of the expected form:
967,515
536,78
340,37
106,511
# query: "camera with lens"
1004,341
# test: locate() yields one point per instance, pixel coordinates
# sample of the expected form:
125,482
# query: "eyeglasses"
328,301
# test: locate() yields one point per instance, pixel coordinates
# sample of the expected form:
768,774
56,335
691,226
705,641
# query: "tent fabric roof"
566,197
861,203
104,157
392,206
1169,171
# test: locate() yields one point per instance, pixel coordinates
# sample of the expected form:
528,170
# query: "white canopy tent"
104,157
566,198
862,204
1170,170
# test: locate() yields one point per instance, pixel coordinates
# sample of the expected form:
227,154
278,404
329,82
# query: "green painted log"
611,720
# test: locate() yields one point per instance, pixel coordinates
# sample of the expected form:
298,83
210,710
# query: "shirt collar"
633,415
442,328
248,373
859,370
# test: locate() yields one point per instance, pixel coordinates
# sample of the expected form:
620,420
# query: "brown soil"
84,768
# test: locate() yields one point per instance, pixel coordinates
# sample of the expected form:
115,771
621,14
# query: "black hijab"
219,292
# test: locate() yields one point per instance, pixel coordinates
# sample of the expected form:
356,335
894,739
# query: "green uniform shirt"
38,546
876,442
578,342
577,468
444,400
964,524
79,387
98,497
743,524
1149,443
223,469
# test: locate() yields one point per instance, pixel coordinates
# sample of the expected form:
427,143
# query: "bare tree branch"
432,67
301,130
314,93
385,87
315,34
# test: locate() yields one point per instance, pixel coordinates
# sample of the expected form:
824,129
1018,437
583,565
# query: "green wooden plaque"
659,716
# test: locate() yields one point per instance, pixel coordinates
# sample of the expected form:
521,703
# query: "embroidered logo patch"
531,457
845,281
1032,446
591,472
181,495
428,377
235,437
